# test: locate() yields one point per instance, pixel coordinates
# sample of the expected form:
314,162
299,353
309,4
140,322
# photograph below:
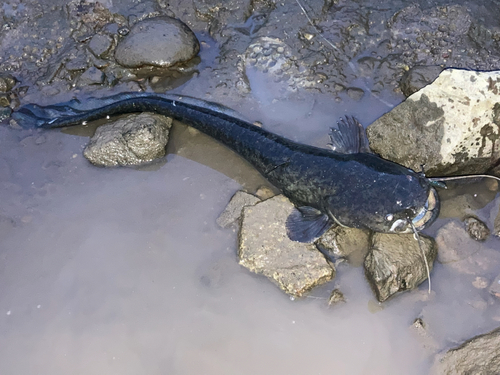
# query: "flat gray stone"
92,76
159,41
232,212
100,44
134,140
477,356
395,263
265,248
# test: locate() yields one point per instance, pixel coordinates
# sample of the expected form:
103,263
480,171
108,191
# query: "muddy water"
124,271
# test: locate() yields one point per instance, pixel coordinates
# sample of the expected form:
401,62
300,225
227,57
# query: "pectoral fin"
306,224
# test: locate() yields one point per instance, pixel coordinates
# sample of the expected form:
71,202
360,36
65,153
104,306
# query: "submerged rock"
479,355
341,242
232,212
494,288
134,140
264,248
418,77
336,297
159,41
395,263
92,76
450,126
496,225
425,337
458,250
476,228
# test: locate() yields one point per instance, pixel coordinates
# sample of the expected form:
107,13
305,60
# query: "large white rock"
450,126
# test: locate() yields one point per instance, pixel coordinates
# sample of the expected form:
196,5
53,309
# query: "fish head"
415,217
389,204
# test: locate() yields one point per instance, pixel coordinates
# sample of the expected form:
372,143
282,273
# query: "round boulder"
159,41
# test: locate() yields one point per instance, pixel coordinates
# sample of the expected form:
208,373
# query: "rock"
134,140
459,251
420,328
479,355
7,82
395,263
418,77
476,228
451,126
264,193
159,41
494,288
5,113
496,225
341,242
454,244
463,205
355,93
77,63
4,100
232,212
265,248
336,297
100,44
92,76
480,282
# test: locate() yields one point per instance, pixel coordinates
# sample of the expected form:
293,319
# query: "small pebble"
476,228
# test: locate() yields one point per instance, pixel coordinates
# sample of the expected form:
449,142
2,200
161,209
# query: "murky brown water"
124,271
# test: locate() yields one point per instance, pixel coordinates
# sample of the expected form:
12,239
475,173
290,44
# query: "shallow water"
124,271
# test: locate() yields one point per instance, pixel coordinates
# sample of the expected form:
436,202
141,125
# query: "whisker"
417,237
454,178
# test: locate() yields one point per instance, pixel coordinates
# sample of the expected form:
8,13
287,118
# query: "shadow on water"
193,145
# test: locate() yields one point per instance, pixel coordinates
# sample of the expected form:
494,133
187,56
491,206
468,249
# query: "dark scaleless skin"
355,190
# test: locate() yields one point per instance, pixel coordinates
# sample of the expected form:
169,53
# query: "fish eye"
389,217
399,226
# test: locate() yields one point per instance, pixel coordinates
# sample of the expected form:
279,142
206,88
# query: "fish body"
351,188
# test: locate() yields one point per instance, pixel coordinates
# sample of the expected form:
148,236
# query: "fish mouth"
429,212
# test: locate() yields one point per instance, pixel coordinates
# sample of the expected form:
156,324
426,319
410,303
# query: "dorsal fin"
349,137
